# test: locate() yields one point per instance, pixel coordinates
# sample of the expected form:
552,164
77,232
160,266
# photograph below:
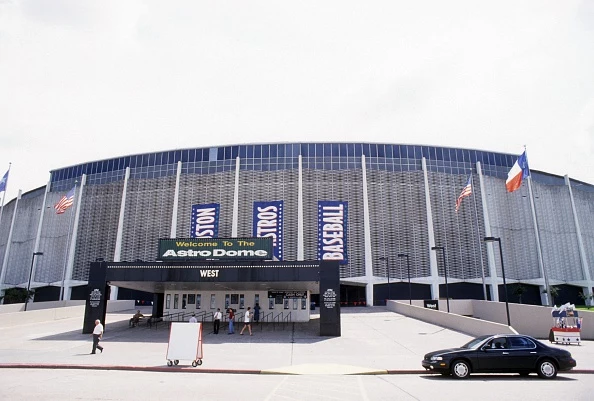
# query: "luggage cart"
185,343
567,326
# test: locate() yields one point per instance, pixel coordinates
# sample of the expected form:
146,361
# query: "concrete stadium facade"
399,202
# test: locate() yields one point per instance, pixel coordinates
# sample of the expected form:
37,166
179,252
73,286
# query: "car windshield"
474,343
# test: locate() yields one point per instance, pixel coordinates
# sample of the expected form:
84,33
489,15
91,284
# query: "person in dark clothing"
257,313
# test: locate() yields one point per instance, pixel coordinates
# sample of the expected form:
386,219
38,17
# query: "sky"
91,80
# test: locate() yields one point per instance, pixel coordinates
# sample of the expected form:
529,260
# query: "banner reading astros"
268,222
332,230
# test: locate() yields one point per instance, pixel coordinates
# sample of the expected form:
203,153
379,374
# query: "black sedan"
504,353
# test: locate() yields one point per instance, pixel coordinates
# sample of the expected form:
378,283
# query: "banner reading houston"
268,222
332,231
205,221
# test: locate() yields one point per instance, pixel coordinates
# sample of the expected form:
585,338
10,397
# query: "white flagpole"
537,234
67,245
478,231
4,193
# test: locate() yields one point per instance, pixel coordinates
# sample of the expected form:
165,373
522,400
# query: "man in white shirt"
217,320
97,335
193,319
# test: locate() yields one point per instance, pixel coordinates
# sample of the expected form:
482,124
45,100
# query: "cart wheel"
169,363
176,362
194,364
199,362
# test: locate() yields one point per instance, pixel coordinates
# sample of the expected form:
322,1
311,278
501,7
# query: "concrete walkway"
373,341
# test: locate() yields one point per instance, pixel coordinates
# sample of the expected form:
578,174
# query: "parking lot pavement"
373,340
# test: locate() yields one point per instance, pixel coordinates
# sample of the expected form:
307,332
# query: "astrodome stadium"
403,221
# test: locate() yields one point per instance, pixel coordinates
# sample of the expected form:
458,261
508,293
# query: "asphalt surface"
374,341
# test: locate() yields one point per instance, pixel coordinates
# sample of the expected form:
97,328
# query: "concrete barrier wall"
464,324
10,308
535,321
57,313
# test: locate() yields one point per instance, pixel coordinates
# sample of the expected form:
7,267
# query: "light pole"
30,274
387,259
445,273
404,255
498,240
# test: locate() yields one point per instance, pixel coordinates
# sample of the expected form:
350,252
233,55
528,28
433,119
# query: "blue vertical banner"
332,231
205,221
268,222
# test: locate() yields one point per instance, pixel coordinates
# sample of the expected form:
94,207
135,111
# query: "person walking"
257,313
217,320
231,317
97,335
247,322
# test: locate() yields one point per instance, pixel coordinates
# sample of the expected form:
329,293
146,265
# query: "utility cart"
567,325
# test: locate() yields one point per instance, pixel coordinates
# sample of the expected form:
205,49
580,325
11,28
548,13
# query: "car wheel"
547,369
460,369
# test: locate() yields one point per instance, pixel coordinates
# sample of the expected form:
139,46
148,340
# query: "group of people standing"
248,317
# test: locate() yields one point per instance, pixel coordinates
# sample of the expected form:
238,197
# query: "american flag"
66,201
466,191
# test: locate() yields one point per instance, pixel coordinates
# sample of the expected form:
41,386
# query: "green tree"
554,291
16,295
519,290
586,297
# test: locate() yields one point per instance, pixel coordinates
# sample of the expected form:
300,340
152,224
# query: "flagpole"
478,230
4,193
67,249
537,233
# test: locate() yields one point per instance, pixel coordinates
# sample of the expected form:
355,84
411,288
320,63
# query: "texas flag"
518,172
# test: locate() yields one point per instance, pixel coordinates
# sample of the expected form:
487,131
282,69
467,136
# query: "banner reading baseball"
332,230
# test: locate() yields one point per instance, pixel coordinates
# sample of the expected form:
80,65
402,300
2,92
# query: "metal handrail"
275,319
287,319
265,319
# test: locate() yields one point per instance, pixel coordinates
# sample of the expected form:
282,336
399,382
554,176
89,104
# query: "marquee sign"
215,249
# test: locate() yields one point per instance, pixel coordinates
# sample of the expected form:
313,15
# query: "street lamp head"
491,239
384,258
435,248
402,255
37,253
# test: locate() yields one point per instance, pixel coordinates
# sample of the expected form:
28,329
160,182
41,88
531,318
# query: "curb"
175,369
127,368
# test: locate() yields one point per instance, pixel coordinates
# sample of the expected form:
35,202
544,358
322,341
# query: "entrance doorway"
352,295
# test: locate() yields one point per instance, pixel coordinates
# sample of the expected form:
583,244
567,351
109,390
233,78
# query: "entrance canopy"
157,277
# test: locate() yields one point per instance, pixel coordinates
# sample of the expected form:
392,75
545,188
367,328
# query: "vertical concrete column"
300,250
367,237
235,223
583,258
8,241
39,226
173,232
117,254
431,235
72,245
493,279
